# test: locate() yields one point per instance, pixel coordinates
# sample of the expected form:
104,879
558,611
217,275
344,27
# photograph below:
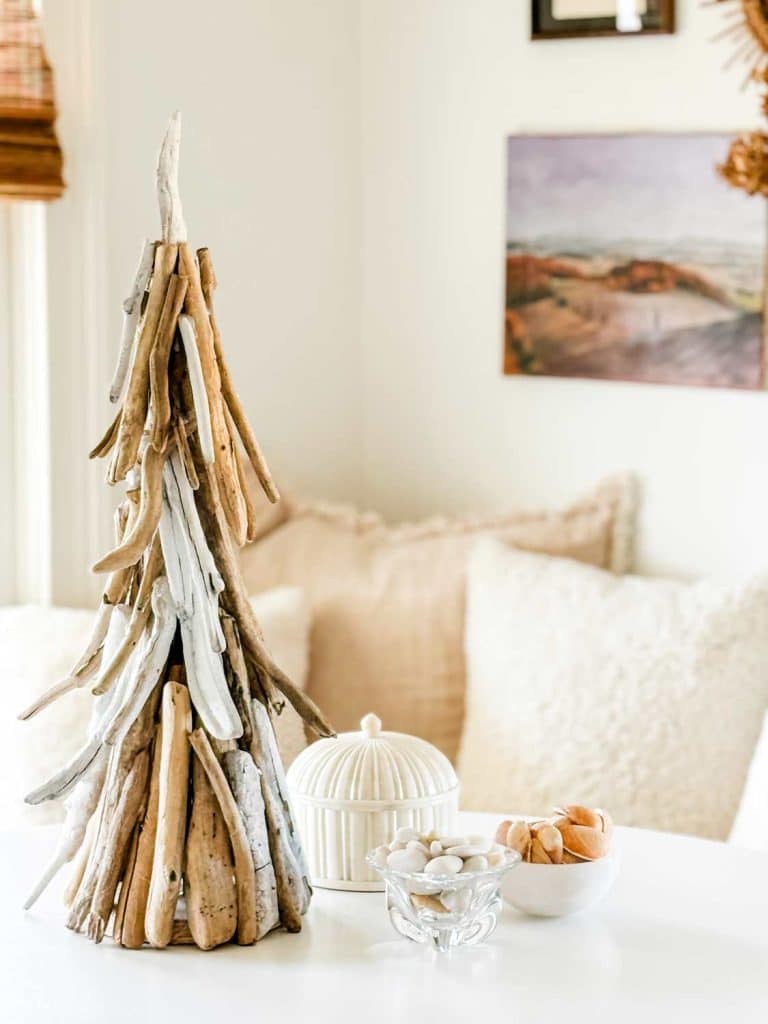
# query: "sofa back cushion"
639,695
388,604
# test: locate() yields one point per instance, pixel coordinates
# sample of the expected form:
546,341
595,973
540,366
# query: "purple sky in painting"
655,187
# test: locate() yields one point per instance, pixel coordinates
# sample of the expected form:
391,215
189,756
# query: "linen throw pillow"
388,603
39,645
643,696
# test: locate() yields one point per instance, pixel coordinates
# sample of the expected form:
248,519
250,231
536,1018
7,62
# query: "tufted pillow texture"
388,602
643,696
39,645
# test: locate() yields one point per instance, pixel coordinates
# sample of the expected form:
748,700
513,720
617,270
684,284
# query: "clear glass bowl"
444,911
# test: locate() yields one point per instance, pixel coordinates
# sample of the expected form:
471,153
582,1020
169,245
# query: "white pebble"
478,863
415,844
469,849
380,855
446,841
456,901
395,845
496,859
444,866
405,835
406,860
435,848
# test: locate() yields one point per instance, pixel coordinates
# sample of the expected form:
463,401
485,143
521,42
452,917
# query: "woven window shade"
30,156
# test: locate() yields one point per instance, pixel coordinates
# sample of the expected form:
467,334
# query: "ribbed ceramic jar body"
352,793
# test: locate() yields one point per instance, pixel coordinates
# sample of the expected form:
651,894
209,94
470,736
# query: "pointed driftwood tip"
169,200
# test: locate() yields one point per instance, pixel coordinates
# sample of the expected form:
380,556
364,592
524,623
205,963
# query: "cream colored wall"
443,83
269,179
344,161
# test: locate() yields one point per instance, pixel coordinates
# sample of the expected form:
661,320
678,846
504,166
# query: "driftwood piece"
158,361
131,315
181,934
107,442
247,926
80,862
245,782
195,585
226,470
251,516
130,865
239,604
121,761
80,809
111,668
116,844
135,404
133,546
150,667
171,816
137,881
229,394
209,875
66,777
168,197
275,773
182,446
288,881
81,671
200,405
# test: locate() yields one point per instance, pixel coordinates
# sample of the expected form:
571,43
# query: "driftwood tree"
177,818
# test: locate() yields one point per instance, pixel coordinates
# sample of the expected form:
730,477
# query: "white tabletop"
683,936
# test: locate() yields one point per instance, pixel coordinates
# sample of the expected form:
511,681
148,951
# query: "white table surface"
682,937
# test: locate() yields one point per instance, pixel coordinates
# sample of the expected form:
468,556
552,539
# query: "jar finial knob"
371,725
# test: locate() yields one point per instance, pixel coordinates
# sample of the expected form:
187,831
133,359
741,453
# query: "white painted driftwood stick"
174,228
81,671
131,316
197,384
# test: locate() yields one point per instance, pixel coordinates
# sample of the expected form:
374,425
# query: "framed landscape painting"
629,258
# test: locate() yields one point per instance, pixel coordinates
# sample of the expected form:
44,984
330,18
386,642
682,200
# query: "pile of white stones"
439,855
446,864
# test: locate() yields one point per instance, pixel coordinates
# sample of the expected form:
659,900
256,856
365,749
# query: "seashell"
569,858
444,865
477,863
582,841
550,840
501,831
579,815
407,860
424,902
607,821
519,838
538,855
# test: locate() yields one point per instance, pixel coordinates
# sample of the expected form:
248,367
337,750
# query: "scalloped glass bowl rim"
513,859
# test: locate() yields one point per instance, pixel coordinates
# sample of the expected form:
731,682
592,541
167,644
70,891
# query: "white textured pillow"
39,645
644,696
750,829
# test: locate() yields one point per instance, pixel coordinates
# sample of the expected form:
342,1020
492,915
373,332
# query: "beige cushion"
642,696
388,604
39,645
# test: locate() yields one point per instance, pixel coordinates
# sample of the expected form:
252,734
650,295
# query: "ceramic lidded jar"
351,793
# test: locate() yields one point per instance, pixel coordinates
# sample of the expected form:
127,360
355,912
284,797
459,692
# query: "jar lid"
373,766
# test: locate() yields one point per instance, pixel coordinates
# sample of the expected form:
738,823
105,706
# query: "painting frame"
666,304
659,19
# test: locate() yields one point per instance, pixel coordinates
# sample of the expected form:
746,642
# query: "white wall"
443,83
344,161
269,179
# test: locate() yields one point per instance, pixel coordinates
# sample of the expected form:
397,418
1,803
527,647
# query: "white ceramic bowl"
553,890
